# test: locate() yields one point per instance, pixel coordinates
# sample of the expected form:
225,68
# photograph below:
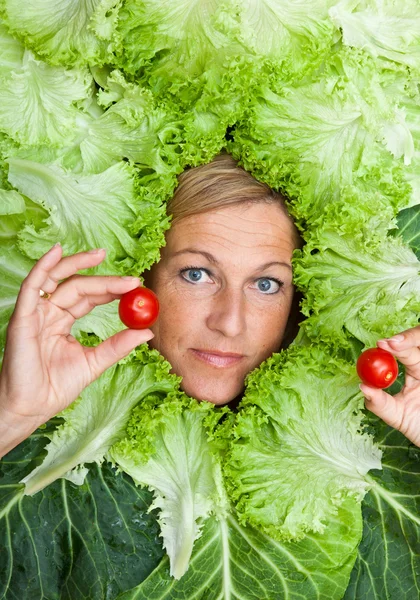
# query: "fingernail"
130,278
57,244
396,338
96,250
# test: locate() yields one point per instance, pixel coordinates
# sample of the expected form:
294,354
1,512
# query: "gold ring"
44,295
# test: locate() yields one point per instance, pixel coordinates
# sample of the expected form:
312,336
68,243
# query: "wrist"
14,428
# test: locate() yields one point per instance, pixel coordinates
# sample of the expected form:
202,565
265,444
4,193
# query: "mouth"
216,358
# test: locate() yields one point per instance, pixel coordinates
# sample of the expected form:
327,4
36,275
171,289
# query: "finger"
383,405
70,265
76,288
405,347
88,303
28,297
115,348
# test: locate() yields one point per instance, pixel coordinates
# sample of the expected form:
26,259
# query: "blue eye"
194,274
268,286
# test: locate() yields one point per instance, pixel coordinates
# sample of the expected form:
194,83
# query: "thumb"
383,405
110,351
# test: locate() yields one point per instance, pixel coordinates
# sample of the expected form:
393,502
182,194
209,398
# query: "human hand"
44,367
401,411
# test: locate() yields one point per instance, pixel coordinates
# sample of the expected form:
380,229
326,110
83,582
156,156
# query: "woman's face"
224,284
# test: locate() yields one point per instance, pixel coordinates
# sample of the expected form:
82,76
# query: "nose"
228,312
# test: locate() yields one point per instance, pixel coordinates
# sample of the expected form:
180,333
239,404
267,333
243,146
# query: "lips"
216,358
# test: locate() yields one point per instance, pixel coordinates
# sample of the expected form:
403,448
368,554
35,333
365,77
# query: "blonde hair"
220,183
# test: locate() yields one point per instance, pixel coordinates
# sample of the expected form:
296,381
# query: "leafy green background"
96,541
72,542
408,222
237,563
389,553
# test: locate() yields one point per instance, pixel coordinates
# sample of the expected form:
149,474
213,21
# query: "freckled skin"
225,310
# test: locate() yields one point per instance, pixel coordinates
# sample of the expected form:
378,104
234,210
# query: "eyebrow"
214,261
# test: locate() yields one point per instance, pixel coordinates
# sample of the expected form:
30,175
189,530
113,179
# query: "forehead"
255,229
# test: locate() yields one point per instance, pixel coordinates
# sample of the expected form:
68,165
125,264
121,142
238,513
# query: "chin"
210,392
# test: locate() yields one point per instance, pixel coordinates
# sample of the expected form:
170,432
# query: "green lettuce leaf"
11,203
353,288
103,321
167,449
88,211
233,562
326,135
386,30
408,228
206,58
387,563
298,446
16,210
182,36
410,105
63,32
38,102
297,34
81,542
14,267
135,128
98,419
177,44
190,56
11,51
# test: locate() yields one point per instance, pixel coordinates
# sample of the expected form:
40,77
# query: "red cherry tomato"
139,308
377,368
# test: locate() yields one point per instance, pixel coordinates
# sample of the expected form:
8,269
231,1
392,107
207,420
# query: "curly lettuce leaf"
182,36
207,57
67,154
38,102
15,211
354,288
325,135
165,134
387,30
87,211
297,34
167,448
98,419
176,44
103,321
135,128
63,32
299,449
189,55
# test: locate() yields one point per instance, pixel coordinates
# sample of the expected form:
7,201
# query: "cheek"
176,318
268,327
